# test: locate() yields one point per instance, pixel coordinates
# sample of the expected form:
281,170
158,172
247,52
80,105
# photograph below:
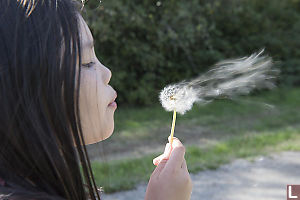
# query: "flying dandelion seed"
227,79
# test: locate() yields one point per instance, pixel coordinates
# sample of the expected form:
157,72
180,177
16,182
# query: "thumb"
177,155
160,166
165,155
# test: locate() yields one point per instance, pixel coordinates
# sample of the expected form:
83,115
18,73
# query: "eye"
88,65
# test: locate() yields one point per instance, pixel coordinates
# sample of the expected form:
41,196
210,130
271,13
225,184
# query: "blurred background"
148,44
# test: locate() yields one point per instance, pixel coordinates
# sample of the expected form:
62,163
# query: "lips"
113,103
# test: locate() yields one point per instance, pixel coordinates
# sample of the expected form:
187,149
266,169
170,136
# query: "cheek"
92,108
89,91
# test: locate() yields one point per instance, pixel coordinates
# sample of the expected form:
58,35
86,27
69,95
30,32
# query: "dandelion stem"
173,127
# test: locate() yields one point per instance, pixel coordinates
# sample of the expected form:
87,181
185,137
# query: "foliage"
148,44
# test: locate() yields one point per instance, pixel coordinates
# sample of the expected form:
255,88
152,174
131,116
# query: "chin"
100,136
103,131
109,129
108,133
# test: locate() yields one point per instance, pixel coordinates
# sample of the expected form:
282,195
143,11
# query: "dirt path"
117,147
264,178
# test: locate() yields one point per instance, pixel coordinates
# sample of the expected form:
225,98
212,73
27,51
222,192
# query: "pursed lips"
113,103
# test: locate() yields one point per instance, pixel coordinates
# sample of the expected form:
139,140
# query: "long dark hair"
39,112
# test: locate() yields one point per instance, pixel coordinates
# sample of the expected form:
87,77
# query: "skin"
170,180
96,97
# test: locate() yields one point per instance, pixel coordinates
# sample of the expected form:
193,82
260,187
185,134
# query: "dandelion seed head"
227,79
178,97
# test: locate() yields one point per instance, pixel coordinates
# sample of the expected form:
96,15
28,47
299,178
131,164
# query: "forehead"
85,33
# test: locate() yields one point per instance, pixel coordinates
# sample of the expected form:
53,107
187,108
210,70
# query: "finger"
160,166
167,151
165,155
177,155
169,138
176,141
174,138
158,159
184,165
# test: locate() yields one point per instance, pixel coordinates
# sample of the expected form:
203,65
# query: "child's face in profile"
96,97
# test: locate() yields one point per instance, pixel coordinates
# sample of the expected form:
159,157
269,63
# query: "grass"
279,105
150,126
126,174
251,126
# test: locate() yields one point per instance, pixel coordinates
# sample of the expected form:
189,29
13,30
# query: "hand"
170,180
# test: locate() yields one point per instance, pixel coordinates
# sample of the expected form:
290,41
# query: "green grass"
218,120
236,129
242,147
126,174
280,106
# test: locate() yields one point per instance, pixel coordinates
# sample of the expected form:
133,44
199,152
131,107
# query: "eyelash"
88,65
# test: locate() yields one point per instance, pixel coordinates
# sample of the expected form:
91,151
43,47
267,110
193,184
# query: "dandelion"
227,79
179,97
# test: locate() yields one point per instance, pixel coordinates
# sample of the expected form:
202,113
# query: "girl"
55,98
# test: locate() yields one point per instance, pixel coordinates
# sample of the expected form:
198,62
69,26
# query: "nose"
106,74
